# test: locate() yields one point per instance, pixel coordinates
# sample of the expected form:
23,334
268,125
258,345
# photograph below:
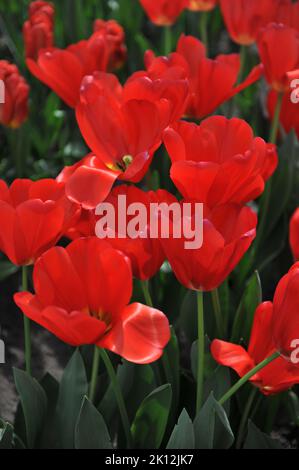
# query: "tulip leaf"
251,298
34,405
256,439
182,436
171,362
91,431
6,437
49,435
7,269
218,383
211,427
151,419
73,388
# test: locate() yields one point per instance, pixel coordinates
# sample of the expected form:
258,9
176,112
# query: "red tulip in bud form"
294,234
277,376
33,217
245,18
220,161
14,93
82,296
38,30
279,51
202,5
164,12
227,233
285,325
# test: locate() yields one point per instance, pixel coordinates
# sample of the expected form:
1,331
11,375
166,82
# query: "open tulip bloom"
148,224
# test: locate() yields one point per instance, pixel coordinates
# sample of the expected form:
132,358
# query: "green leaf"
49,435
150,422
6,437
256,439
251,298
34,405
72,390
7,269
212,428
218,383
91,430
182,436
171,362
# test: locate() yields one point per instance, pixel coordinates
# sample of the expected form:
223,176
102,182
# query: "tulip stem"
276,119
167,40
118,395
94,374
203,29
200,351
248,376
245,417
146,293
218,313
243,58
266,198
27,328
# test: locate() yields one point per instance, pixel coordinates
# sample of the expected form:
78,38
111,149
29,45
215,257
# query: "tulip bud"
14,99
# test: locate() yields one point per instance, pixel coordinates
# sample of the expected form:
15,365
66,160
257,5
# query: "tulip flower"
115,35
145,253
219,161
244,18
294,234
14,92
54,66
202,5
285,324
164,12
82,296
212,81
33,217
287,13
123,127
228,232
38,30
279,51
278,375
289,116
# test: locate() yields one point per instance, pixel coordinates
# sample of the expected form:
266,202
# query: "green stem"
246,377
118,395
276,119
200,351
27,333
94,374
245,417
266,198
146,293
218,314
243,58
167,40
203,29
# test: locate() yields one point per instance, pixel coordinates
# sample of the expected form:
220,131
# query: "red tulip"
164,12
245,18
82,295
38,30
116,39
228,232
202,5
285,324
287,12
84,226
279,51
54,67
277,376
14,93
212,81
219,161
33,217
123,127
294,234
145,253
289,115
